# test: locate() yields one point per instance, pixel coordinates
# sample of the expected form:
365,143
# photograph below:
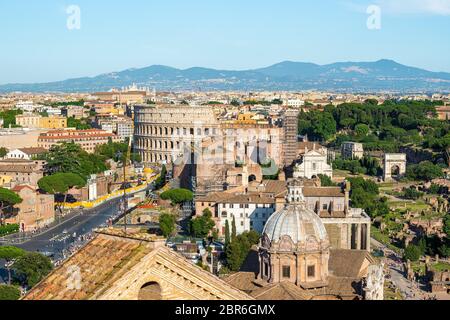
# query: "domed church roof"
295,220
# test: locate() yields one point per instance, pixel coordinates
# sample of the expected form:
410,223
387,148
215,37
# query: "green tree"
200,227
227,233
233,229
167,223
61,183
9,118
3,152
9,293
10,254
362,130
7,200
253,237
71,158
424,171
237,251
412,194
235,103
178,196
161,180
234,256
8,229
79,124
31,268
326,181
447,224
412,253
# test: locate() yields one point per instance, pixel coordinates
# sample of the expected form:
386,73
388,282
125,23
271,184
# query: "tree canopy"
365,194
61,183
8,198
9,117
201,226
178,196
3,152
239,247
9,293
71,158
385,127
31,268
10,253
167,224
425,170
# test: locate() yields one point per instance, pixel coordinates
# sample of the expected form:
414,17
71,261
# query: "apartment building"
33,121
36,211
87,139
15,172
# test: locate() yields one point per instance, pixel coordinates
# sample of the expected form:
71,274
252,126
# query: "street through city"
57,242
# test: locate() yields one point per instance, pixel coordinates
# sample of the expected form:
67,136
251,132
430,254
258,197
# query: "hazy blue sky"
37,46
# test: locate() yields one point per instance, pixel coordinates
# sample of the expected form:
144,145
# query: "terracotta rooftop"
323,192
113,257
33,151
17,168
349,263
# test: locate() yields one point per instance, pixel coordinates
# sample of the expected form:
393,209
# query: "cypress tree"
227,233
233,230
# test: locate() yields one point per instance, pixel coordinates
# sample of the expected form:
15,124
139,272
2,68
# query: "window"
286,272
311,271
314,165
325,207
224,214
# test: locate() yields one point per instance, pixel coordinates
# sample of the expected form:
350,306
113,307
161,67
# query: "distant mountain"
382,75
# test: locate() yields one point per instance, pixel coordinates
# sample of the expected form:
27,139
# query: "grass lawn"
441,266
383,238
418,205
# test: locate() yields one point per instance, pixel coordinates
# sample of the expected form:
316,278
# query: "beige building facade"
87,139
36,210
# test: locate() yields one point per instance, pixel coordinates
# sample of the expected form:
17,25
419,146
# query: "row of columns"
166,131
358,236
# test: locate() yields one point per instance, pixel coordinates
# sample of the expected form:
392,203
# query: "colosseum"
163,132
200,148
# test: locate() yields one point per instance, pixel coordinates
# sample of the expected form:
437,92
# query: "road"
60,238
410,290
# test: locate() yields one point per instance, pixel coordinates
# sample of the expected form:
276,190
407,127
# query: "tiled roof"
96,262
323,192
17,168
282,291
348,263
32,151
111,257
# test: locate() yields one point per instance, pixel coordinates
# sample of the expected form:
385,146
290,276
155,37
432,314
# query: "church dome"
297,222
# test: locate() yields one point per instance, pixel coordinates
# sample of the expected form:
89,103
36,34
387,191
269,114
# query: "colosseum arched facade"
163,133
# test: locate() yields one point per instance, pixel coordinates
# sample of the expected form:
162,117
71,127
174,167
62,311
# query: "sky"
43,41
